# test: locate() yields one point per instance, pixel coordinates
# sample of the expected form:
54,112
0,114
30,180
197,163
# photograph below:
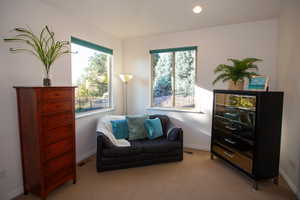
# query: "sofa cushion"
120,159
120,129
154,128
155,146
164,122
121,151
136,126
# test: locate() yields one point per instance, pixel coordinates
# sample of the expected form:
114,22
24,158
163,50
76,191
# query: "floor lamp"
125,78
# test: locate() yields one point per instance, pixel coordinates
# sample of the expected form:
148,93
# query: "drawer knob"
231,128
230,141
228,154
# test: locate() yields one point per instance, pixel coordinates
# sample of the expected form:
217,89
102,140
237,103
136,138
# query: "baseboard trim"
87,154
289,182
197,146
15,193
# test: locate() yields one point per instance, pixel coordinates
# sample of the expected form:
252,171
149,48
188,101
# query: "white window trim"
94,112
173,109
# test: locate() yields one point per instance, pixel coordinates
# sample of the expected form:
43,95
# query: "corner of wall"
87,154
14,193
122,57
290,182
197,146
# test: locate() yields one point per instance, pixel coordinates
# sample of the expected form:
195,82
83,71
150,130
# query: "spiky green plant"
238,71
43,46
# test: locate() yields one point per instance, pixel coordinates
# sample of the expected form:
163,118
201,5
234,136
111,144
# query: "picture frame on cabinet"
258,83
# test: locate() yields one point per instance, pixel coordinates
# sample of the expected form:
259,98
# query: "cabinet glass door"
235,114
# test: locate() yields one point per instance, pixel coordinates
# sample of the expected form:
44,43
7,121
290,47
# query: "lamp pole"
125,78
125,91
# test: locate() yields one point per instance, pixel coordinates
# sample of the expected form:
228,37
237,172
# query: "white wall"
289,70
215,45
22,69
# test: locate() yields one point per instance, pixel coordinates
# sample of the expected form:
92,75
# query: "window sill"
90,113
175,110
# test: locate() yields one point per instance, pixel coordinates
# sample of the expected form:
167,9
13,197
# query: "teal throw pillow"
136,126
154,128
120,129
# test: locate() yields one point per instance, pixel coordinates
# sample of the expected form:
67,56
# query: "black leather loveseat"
167,148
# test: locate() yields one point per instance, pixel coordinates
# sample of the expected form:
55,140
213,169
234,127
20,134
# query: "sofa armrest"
178,137
176,131
99,151
102,143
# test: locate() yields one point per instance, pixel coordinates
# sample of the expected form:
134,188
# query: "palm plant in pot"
43,46
237,73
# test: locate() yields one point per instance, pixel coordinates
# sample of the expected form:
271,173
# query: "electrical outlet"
2,173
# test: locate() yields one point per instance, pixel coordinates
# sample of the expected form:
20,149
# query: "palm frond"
220,77
238,71
222,67
234,61
251,60
42,46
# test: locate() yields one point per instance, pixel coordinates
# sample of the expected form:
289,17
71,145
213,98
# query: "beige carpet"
196,178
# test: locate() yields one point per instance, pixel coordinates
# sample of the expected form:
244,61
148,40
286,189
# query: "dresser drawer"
235,157
57,164
58,134
58,94
58,148
57,120
58,177
56,107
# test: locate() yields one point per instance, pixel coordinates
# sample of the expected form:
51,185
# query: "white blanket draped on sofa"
104,126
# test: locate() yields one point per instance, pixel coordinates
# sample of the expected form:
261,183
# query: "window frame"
173,51
103,50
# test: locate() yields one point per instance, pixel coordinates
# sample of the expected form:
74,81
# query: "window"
91,72
173,78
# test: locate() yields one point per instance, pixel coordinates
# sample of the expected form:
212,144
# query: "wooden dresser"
47,136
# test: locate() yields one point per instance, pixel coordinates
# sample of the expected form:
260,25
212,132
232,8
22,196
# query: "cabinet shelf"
237,107
232,120
250,142
248,153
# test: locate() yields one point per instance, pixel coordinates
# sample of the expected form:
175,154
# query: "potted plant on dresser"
43,46
237,73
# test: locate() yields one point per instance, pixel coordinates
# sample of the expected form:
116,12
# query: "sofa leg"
276,180
98,168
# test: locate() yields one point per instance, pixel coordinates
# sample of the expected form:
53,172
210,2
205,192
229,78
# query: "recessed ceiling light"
197,9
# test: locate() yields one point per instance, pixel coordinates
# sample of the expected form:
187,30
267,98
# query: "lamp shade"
126,77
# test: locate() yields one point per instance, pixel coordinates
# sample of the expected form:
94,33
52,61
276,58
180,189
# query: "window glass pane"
185,72
162,79
91,73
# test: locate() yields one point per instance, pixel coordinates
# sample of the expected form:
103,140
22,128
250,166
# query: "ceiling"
132,18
